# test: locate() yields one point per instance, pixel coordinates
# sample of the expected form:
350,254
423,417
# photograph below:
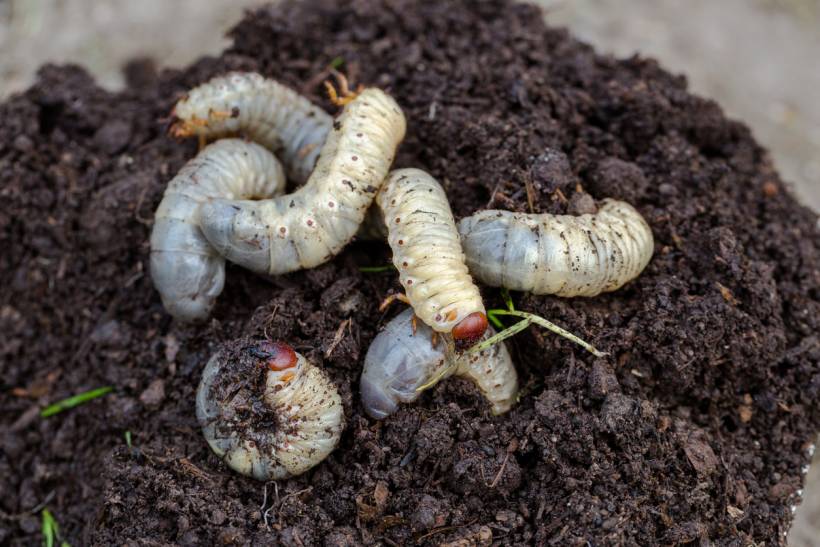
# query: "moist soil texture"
696,428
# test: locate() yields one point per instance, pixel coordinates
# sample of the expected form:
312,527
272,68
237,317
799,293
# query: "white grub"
493,372
306,416
308,227
261,109
558,254
399,365
427,253
186,270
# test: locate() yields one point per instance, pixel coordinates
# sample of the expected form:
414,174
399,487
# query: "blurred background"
760,59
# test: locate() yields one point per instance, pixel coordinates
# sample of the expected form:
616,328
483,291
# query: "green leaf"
75,400
128,438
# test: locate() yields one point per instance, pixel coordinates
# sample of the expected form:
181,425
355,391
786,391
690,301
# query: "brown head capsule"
277,355
470,329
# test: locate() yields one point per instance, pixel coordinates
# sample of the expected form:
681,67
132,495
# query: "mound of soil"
697,427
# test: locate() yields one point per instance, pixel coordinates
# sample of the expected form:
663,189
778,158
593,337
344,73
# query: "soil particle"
700,454
429,513
154,393
602,380
647,446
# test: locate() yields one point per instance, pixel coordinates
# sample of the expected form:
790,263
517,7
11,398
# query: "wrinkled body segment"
558,254
305,423
186,270
261,109
399,365
427,252
308,227
493,372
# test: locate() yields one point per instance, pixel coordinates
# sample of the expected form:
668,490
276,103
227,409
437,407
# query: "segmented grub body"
302,417
261,109
308,227
427,253
186,270
399,365
558,254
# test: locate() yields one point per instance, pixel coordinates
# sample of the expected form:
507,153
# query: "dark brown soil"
696,428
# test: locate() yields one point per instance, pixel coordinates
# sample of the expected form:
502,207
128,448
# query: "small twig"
492,195
512,447
265,502
337,338
321,76
530,192
194,470
500,470
441,529
291,495
269,320
36,508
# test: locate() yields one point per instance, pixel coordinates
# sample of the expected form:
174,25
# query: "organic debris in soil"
697,427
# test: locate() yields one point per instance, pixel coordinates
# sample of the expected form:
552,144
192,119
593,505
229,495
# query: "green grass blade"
337,62
75,400
376,269
505,294
568,335
503,335
529,318
128,438
494,320
49,528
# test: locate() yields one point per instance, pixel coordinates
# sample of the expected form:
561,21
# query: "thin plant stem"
529,318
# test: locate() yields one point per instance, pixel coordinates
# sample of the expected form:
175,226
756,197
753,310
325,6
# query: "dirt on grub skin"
696,428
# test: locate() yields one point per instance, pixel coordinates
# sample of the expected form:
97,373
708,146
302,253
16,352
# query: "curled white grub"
427,253
558,254
186,270
261,109
400,365
284,417
308,227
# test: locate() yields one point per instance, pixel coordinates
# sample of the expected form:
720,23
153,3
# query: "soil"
697,428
